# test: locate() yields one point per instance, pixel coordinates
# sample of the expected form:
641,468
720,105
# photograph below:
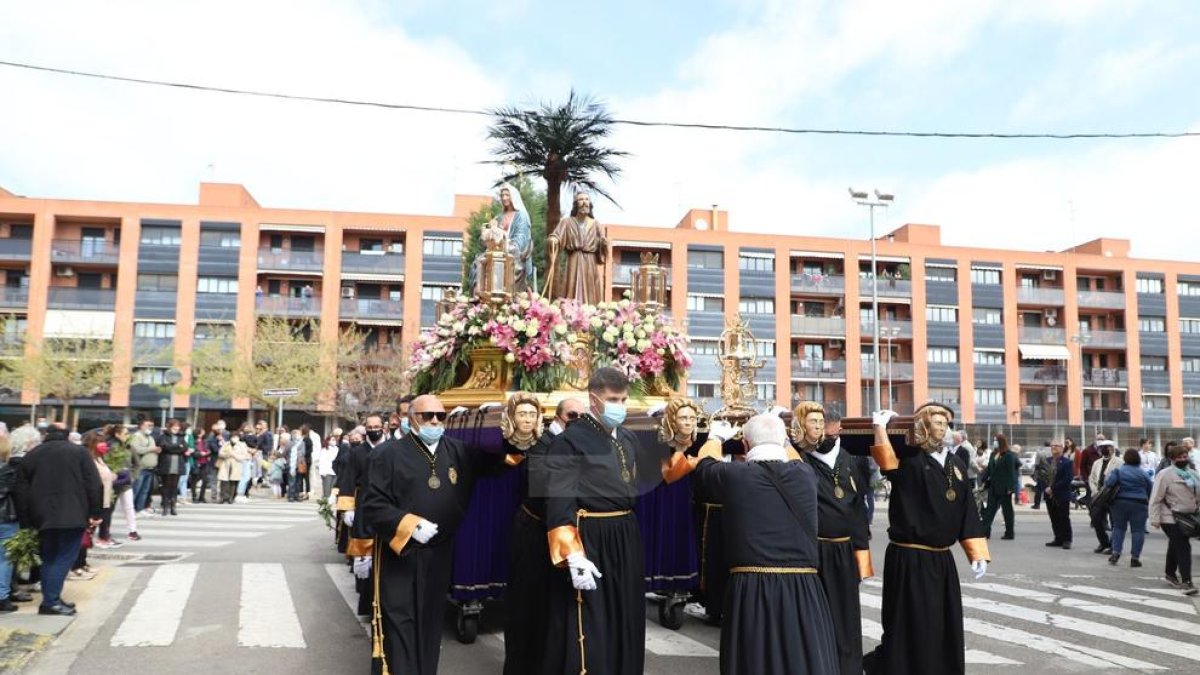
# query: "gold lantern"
739,363
447,304
496,282
649,283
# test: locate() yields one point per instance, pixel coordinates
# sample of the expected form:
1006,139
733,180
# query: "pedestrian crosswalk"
201,527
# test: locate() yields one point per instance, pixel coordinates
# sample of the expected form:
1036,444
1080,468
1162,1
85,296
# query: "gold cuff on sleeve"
513,459
345,503
792,453
863,558
678,466
976,549
885,456
404,532
564,540
360,547
711,448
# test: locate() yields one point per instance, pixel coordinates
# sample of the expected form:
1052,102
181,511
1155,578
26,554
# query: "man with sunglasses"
527,607
418,490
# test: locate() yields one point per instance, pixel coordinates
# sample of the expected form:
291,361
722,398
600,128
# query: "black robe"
776,621
922,601
412,585
603,630
842,533
526,598
714,571
359,538
348,467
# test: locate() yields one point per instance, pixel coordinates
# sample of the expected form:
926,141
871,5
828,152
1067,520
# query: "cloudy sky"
924,65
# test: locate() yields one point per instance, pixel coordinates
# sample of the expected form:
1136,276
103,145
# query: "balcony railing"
1103,415
818,284
1040,296
1043,413
15,249
1101,299
285,260
1042,336
292,307
364,308
373,263
899,371
84,251
888,288
901,328
1105,377
1106,338
1048,374
834,326
623,274
153,351
82,298
818,368
14,297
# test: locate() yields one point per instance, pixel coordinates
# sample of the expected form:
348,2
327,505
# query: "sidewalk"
25,633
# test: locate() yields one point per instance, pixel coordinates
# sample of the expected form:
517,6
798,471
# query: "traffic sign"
280,393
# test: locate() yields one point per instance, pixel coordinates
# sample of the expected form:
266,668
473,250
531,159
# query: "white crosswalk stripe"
267,617
154,619
208,526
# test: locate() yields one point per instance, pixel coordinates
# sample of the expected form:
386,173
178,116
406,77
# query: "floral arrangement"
538,338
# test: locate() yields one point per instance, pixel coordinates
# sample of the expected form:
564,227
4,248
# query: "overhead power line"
626,122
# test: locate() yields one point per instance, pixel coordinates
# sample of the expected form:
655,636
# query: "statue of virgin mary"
513,231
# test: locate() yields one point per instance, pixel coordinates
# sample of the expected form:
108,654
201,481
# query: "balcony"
15,249
1101,300
364,308
286,260
91,251
154,304
817,369
902,328
1105,377
82,298
369,262
623,275
824,326
1106,415
1054,414
1041,336
1106,338
1052,375
289,307
897,371
1040,296
888,288
819,284
14,297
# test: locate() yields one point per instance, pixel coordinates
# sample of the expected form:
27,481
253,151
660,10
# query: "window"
944,395
1188,288
813,309
703,347
154,377
941,274
220,238
1189,364
1153,363
213,331
986,316
1029,281
434,293
157,282
444,248
1189,325
755,263
941,355
1156,402
704,303
814,352
20,231
764,348
1149,285
756,306
985,358
14,328
226,285
160,236
989,397
981,275
765,392
706,260
1152,324
939,314
701,390
370,245
154,329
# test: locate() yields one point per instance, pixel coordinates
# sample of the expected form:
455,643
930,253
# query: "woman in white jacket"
324,459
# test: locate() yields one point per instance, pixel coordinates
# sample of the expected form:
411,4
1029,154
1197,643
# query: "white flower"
643,345
661,351
473,331
561,329
571,338
596,322
610,315
535,325
610,337
623,303
510,357
518,325
532,330
640,333
502,319
459,326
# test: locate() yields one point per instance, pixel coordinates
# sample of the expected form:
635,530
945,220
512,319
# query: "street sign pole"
280,425
280,394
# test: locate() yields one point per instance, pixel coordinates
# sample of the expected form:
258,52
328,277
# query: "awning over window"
1045,352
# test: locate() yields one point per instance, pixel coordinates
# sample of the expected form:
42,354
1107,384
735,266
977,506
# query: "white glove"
490,405
362,566
721,430
657,410
425,531
584,572
457,411
880,418
979,567
348,518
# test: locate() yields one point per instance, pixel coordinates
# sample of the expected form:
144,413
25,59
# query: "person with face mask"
528,614
173,446
418,490
296,466
352,486
1175,495
145,451
232,454
1101,469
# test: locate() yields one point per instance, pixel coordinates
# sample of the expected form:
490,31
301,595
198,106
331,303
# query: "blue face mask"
430,435
613,415
404,425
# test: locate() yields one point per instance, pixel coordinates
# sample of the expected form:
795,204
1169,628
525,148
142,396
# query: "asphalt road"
258,589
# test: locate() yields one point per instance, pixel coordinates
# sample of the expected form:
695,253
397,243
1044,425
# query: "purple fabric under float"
481,552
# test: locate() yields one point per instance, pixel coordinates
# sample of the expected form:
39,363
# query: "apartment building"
1033,340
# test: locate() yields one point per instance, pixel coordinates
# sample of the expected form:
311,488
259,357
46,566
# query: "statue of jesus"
586,247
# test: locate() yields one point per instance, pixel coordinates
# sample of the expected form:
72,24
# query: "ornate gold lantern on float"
648,282
496,281
447,304
739,362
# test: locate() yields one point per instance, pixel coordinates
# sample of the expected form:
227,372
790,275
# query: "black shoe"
1173,581
1035,508
61,609
1114,558
1099,549
1066,545
1134,562
1189,589
20,596
66,603
7,605
1008,535
1054,544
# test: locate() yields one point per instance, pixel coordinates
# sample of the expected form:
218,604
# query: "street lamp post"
1081,339
862,198
172,378
889,334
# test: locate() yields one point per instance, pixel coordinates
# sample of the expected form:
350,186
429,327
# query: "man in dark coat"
59,494
1058,496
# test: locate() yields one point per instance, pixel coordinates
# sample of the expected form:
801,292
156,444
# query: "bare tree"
66,369
369,378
